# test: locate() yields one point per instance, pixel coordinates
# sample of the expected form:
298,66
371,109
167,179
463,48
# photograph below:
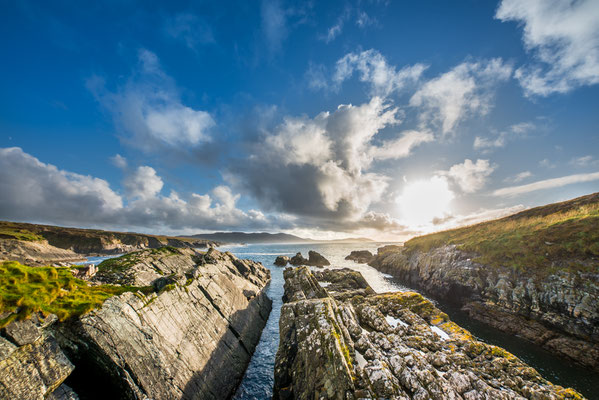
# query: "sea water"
258,380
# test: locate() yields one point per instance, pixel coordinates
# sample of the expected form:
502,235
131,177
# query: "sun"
424,200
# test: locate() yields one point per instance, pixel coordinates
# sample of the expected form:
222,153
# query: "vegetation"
72,237
13,231
25,290
122,263
532,240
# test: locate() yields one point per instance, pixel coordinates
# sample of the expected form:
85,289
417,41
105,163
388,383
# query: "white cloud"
584,161
470,176
34,191
374,69
464,91
546,184
519,177
148,110
119,161
564,38
545,163
143,183
400,147
517,130
320,168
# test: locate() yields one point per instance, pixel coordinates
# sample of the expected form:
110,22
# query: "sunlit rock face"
559,312
343,341
190,336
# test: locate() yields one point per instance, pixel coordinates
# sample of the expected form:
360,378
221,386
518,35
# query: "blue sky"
324,119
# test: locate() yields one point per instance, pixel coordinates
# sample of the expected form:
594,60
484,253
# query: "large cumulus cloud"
39,192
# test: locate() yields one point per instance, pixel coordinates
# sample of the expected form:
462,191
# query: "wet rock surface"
360,256
390,345
190,338
314,259
281,261
559,312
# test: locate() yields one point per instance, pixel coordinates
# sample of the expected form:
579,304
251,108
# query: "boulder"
298,260
282,261
360,256
316,259
390,345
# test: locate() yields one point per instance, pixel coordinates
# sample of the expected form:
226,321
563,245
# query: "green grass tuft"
12,232
25,290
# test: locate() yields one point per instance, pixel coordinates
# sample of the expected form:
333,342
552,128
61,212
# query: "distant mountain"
264,237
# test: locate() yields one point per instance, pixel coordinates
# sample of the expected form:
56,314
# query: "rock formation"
189,336
314,259
34,244
360,256
559,312
347,342
281,261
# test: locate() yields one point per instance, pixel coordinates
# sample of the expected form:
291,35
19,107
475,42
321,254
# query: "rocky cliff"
534,274
43,244
343,341
189,334
559,311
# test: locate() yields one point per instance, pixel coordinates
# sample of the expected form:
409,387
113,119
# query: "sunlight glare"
424,200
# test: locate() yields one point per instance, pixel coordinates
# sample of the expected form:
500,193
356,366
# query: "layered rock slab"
391,345
190,339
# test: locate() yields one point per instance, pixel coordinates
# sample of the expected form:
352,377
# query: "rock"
390,345
559,312
281,261
34,370
316,259
360,256
189,334
63,392
298,260
22,332
343,283
193,339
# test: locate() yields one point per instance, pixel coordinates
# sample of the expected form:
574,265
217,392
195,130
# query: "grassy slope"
532,240
25,290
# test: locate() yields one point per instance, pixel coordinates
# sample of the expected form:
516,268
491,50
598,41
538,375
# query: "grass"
122,263
530,241
8,231
25,290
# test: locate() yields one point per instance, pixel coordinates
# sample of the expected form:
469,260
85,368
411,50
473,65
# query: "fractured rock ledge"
390,345
191,338
559,312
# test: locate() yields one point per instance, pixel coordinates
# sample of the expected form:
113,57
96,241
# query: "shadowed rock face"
390,345
315,259
360,256
281,261
190,340
559,312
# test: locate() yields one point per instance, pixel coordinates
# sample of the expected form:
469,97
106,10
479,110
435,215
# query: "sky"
380,119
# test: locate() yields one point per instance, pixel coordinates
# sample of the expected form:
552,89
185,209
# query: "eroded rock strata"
343,341
559,312
190,336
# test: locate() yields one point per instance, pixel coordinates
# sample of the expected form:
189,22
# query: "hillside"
33,243
264,237
537,239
